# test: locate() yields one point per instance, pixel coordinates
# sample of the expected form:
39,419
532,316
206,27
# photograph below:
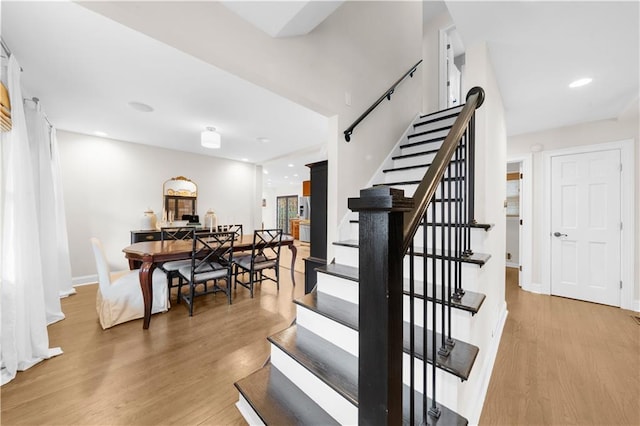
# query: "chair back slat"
266,245
211,248
177,233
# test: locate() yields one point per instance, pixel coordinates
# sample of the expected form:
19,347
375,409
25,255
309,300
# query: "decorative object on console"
149,220
211,220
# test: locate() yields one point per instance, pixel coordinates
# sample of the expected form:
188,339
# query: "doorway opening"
513,220
287,209
452,65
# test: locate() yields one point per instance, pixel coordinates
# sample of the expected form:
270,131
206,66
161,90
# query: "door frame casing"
526,215
627,209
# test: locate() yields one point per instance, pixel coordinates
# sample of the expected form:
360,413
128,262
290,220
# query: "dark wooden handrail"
427,187
387,94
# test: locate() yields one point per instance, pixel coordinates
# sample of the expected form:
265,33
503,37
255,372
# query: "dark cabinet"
318,224
140,236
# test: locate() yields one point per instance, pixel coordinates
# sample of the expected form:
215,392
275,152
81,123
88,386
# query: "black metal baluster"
459,230
449,340
434,411
412,349
446,202
424,316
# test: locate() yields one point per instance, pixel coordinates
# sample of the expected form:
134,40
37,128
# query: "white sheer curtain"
24,337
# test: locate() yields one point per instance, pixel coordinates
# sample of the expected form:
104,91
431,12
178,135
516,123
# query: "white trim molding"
627,212
84,280
526,215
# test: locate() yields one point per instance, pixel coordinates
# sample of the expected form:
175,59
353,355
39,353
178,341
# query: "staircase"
324,368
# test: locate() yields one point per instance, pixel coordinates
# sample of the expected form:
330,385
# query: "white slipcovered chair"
119,297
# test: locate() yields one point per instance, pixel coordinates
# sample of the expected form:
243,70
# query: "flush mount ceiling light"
210,138
139,106
580,82
100,133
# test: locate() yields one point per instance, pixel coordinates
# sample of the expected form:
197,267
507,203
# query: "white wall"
108,184
491,159
431,65
362,48
625,127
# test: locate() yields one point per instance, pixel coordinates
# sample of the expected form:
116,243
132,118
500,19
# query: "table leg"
294,253
146,284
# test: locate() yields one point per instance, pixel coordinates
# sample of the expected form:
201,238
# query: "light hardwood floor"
560,362
564,362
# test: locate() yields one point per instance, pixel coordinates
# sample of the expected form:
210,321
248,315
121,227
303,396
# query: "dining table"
147,255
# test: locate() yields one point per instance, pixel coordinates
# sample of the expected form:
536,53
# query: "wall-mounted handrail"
387,94
427,187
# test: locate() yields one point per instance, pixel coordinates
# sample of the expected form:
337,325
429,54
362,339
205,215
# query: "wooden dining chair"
211,261
171,268
265,254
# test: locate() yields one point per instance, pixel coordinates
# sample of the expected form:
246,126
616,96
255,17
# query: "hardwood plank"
180,371
563,361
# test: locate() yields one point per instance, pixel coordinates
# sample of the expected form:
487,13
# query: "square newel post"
380,212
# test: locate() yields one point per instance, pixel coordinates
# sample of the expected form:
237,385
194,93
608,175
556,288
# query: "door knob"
558,234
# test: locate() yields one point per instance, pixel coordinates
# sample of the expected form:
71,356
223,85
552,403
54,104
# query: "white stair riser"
322,394
461,320
436,124
336,333
477,236
447,385
414,174
338,287
349,256
414,149
414,161
247,411
437,130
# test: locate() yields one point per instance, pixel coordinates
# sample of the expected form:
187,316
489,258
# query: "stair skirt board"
340,335
328,399
247,411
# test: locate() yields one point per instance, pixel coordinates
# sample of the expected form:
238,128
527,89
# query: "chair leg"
192,290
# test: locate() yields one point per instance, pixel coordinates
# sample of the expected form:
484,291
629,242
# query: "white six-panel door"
585,226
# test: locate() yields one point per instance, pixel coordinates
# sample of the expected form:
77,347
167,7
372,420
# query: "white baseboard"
84,280
636,305
534,288
512,265
487,369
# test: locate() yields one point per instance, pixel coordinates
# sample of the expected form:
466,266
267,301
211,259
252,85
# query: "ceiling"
86,69
537,48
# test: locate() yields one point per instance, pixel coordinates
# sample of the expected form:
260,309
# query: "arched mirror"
180,196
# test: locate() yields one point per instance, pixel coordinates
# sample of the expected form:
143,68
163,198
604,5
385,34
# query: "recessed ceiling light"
100,133
245,159
295,175
265,171
286,177
262,139
139,106
580,82
290,165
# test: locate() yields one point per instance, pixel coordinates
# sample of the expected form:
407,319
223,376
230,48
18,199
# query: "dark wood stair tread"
418,166
331,364
278,401
447,416
459,361
426,132
424,142
334,308
338,270
476,258
485,226
470,301
432,114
